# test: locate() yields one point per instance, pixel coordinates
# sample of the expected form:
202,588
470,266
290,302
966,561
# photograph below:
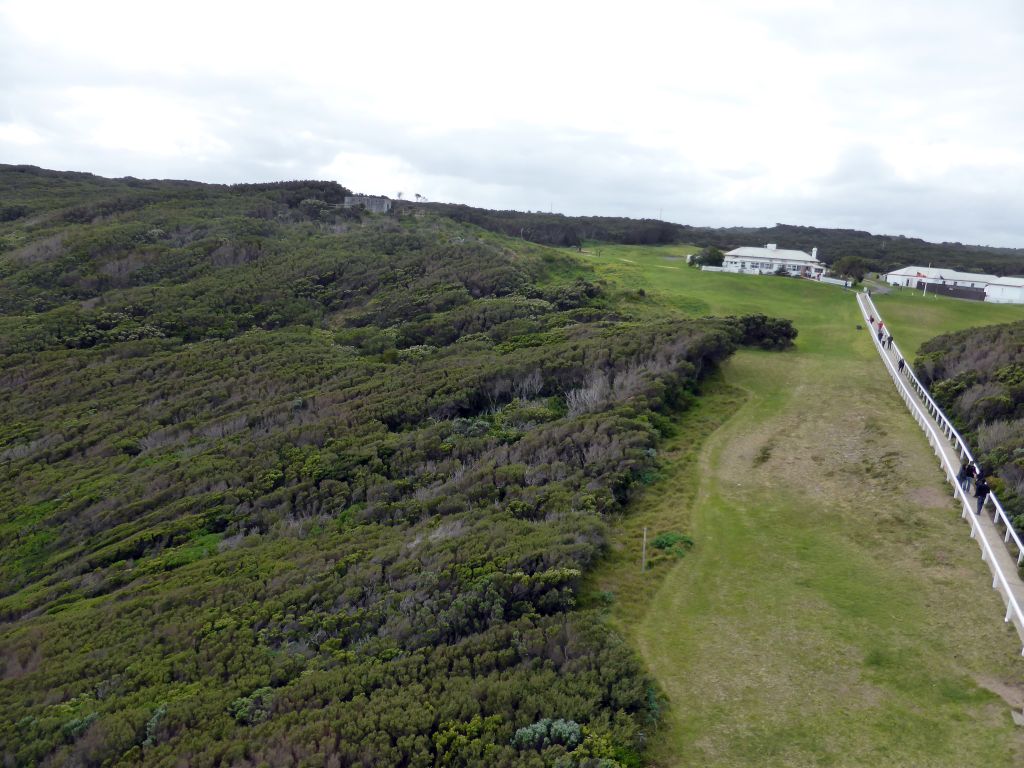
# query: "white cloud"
140,121
20,134
737,112
377,173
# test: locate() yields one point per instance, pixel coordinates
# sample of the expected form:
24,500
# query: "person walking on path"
981,490
888,341
963,477
901,364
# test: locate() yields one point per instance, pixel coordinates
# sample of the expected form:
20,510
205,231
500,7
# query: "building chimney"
814,253
771,246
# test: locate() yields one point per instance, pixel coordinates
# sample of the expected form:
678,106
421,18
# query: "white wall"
1004,294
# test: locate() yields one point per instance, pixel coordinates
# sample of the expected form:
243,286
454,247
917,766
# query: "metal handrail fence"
922,406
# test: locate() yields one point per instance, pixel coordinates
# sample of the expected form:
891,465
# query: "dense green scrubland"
977,377
286,484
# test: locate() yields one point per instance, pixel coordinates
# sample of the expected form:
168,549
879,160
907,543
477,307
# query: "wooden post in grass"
643,553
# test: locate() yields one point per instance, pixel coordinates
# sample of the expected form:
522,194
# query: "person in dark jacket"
963,477
901,364
981,490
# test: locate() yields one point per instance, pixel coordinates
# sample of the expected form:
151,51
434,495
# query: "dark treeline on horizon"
877,252
873,252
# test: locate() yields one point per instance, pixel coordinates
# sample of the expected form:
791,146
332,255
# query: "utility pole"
643,553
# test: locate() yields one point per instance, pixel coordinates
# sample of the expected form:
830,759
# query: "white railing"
834,281
957,441
935,418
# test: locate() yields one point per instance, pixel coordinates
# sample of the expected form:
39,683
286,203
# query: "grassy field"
914,318
833,610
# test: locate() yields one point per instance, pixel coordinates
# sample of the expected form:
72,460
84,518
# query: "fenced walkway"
1001,547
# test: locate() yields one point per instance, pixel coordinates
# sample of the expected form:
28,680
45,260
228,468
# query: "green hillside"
289,484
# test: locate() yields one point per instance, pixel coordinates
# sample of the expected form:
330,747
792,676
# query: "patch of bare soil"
929,497
1011,693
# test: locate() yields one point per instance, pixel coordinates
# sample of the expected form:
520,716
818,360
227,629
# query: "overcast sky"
899,117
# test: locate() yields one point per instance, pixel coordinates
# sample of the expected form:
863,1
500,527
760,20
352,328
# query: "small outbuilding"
1007,290
371,203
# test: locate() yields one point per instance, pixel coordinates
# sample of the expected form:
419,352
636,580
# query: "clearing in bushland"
832,610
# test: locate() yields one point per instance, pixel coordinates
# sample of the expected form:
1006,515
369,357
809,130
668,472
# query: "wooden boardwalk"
1000,546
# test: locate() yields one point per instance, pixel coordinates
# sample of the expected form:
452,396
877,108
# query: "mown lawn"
833,610
914,318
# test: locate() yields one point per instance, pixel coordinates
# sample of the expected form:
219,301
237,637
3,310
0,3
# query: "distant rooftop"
939,273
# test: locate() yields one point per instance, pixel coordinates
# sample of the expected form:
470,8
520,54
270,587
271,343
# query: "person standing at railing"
974,473
981,490
963,477
888,341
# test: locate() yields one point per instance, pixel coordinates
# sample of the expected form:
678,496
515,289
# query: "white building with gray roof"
771,259
964,285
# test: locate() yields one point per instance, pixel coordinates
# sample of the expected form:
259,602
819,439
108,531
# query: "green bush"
677,543
547,732
254,708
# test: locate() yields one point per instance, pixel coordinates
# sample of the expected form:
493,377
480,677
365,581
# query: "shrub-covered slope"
977,377
285,485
